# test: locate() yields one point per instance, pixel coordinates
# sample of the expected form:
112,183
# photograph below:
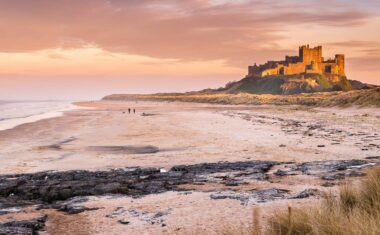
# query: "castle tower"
339,60
307,54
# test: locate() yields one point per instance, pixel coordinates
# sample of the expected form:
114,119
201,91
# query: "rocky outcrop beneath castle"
286,85
358,85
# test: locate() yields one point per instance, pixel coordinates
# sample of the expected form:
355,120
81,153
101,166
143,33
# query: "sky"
85,49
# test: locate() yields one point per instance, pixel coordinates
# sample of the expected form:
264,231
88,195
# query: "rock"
72,206
373,157
208,168
15,231
123,221
118,212
59,186
355,174
270,194
328,184
185,193
307,193
320,167
280,172
232,183
221,195
23,227
10,210
75,209
150,218
283,172
259,196
218,197
338,176
327,170
54,189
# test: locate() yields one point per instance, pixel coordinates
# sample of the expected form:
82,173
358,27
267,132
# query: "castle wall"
315,67
296,68
271,71
330,68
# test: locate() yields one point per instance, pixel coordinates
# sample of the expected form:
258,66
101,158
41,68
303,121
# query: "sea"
14,113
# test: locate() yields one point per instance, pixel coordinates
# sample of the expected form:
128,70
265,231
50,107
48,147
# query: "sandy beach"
162,135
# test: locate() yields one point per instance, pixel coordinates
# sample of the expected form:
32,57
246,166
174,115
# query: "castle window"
328,69
281,71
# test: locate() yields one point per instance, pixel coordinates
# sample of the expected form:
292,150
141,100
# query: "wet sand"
107,137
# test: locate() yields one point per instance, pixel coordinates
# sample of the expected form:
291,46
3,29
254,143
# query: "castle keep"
309,61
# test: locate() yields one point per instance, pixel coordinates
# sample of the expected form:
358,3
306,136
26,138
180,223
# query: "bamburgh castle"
309,61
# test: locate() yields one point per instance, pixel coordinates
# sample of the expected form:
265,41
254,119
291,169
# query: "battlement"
309,60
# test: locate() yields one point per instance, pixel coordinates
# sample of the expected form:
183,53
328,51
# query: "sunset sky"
85,49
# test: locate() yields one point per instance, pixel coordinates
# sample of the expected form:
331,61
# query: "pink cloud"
185,30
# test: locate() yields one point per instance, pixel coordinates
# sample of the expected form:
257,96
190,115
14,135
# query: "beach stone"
15,231
203,168
123,221
149,217
307,193
355,174
23,227
284,172
373,157
75,209
259,196
338,176
328,184
318,167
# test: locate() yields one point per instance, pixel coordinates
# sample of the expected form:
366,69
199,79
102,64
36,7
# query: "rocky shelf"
62,190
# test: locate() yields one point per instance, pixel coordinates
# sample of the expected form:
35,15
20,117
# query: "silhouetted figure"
134,110
129,110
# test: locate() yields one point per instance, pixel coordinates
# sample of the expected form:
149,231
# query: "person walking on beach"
134,110
129,110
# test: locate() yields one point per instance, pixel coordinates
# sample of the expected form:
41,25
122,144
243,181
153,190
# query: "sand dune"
362,98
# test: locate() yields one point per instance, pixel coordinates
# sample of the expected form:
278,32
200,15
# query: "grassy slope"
356,210
370,97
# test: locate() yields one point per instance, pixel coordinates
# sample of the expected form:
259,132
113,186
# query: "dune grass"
356,210
365,98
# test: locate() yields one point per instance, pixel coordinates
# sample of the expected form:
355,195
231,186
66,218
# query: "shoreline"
15,122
